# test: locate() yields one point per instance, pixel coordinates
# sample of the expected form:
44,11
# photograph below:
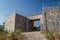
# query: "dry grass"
3,36
10,36
51,35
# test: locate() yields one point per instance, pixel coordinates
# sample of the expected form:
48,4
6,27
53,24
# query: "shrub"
1,28
15,35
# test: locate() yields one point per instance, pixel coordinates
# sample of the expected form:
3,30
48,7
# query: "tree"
2,27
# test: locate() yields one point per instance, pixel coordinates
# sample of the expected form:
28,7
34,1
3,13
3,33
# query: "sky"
23,7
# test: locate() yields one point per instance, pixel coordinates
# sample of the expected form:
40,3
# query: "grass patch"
16,35
51,35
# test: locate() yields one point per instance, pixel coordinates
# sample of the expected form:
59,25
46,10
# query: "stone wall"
21,23
52,18
39,17
10,23
16,22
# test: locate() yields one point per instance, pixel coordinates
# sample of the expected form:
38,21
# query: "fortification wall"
53,18
50,19
21,23
10,23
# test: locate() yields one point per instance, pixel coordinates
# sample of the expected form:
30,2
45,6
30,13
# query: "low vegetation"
11,36
51,35
3,36
16,35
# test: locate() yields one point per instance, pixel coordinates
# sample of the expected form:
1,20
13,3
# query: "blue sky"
24,7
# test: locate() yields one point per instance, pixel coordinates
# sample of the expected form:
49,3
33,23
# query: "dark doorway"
36,25
15,39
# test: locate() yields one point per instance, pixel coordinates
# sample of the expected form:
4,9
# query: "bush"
15,35
1,28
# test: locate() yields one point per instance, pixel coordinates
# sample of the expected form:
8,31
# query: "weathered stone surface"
18,22
21,23
10,23
53,18
33,36
40,18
